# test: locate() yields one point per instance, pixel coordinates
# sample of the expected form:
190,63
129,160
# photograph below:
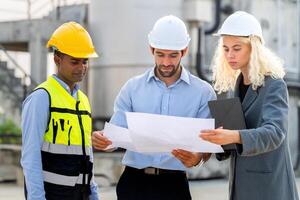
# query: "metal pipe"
29,9
298,40
201,38
279,26
200,55
217,18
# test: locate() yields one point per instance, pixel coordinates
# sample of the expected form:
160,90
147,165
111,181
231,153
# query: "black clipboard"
228,113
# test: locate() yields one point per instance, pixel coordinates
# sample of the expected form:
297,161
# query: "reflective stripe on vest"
58,179
64,149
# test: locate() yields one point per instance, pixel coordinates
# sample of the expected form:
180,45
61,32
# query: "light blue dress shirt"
187,97
35,114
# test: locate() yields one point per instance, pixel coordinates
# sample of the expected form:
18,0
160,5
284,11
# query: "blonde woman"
262,170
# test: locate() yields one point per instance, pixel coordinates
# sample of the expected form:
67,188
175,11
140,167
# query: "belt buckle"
151,171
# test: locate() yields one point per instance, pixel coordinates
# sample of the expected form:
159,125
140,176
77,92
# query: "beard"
169,73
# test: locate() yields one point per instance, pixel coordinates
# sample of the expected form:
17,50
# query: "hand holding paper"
159,133
119,136
100,142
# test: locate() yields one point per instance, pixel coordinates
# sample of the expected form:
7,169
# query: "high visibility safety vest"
66,149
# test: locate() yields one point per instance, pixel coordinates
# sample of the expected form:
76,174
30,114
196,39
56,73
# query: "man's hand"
221,136
206,157
99,141
190,159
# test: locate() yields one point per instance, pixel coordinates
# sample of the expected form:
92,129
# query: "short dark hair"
58,53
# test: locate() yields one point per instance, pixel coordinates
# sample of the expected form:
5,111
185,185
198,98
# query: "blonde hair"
263,62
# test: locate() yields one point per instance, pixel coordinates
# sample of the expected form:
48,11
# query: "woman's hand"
221,136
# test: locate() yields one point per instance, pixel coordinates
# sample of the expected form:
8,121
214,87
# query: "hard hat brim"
83,55
237,35
74,54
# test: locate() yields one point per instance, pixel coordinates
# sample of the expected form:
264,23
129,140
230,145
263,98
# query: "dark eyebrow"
174,53
78,59
75,59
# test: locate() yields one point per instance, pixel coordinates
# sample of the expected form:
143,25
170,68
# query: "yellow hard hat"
72,39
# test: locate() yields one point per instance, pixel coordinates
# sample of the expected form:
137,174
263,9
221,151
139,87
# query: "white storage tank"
119,29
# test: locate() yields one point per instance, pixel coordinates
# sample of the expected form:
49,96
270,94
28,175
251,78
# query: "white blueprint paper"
161,133
119,136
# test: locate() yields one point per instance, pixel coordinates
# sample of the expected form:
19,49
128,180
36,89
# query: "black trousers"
136,185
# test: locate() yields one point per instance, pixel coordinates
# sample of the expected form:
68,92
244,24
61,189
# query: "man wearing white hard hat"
166,89
261,169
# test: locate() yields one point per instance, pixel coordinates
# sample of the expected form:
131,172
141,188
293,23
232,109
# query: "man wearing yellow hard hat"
57,157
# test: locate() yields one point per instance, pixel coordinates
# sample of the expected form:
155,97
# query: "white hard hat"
241,23
169,33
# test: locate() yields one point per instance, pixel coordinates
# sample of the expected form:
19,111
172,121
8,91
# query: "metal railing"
38,8
27,82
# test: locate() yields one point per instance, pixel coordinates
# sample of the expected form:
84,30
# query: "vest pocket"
62,129
55,129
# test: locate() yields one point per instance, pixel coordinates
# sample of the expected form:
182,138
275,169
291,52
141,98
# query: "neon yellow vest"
66,149
69,120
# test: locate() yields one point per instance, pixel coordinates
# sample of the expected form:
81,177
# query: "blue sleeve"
208,94
94,186
122,105
94,190
35,114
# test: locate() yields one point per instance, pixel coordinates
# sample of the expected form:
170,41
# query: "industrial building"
119,29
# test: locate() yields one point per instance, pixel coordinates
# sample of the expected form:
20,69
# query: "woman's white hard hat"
169,33
241,23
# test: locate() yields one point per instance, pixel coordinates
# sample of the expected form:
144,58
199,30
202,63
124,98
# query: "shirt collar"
66,87
184,75
151,75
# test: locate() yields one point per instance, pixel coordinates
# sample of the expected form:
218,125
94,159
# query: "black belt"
153,171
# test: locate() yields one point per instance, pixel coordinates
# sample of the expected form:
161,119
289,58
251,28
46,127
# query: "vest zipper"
81,128
83,143
69,136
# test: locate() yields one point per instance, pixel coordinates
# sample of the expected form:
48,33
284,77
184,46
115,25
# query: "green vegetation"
10,133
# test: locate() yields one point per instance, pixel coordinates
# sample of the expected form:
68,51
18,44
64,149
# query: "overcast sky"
12,9
18,9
